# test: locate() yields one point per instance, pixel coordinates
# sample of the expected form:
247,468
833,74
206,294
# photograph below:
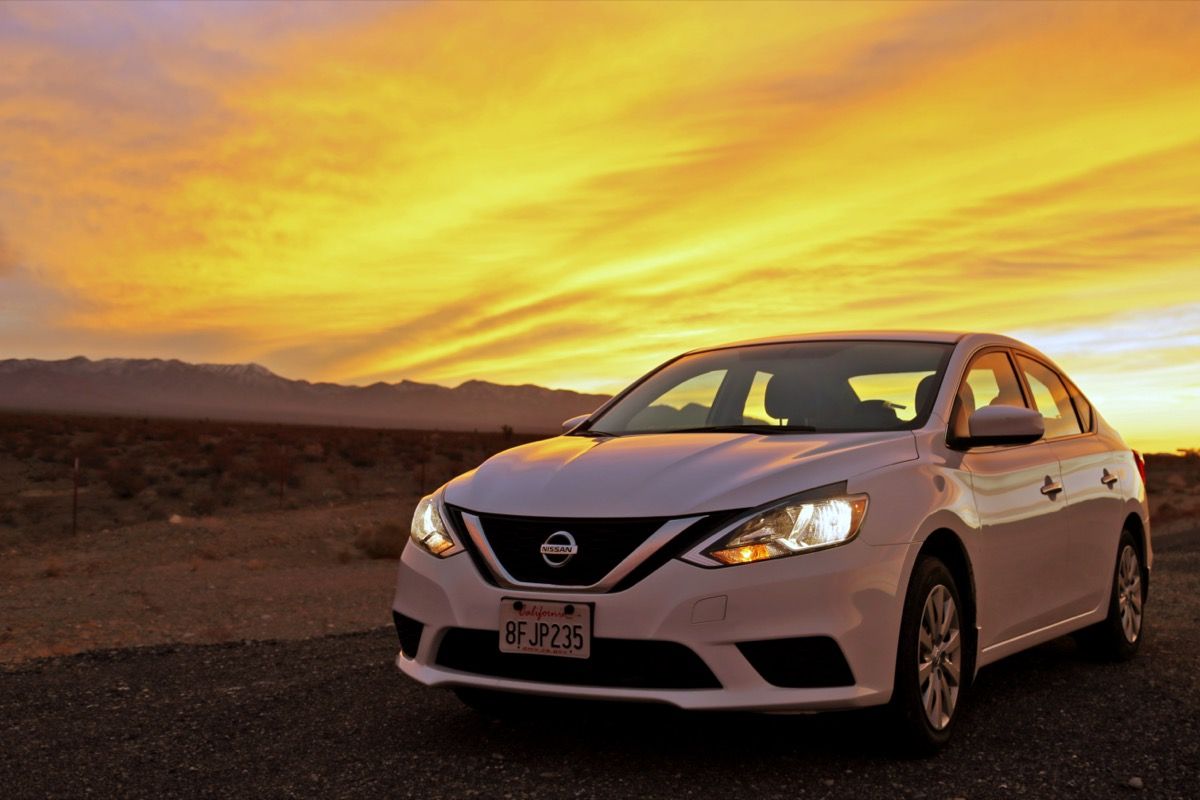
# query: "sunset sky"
569,194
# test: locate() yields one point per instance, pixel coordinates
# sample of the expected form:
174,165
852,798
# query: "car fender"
911,502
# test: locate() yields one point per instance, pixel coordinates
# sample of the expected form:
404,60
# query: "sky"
569,194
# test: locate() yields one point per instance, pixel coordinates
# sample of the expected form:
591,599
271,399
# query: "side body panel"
1092,479
1024,558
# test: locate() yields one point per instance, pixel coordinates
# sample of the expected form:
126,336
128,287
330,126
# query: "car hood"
661,475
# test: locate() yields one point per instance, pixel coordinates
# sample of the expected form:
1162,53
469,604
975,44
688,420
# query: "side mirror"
574,422
993,425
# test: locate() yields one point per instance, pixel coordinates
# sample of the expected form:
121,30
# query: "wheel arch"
948,547
1133,523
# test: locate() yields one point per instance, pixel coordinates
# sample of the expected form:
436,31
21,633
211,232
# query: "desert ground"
207,532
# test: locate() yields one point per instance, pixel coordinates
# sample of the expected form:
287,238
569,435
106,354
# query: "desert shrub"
361,455
349,483
47,454
222,457
125,478
382,541
226,463
246,474
46,474
90,452
1189,454
224,490
277,465
159,475
193,470
35,509
205,504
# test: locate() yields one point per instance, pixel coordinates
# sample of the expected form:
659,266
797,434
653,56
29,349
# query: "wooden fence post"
75,500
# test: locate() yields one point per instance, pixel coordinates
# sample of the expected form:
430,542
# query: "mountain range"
250,392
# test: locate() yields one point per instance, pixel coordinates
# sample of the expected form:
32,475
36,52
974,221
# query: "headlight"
792,527
429,530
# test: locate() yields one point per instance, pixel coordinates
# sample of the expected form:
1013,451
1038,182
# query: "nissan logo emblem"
558,549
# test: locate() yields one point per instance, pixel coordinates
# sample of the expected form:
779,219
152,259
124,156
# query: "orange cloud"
569,194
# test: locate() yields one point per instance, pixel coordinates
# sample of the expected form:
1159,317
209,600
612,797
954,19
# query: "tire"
933,661
1119,635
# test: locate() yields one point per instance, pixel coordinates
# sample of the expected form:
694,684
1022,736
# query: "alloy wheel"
1129,594
939,656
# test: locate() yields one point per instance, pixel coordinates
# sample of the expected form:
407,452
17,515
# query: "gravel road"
330,717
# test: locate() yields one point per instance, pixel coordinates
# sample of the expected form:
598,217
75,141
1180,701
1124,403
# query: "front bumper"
852,594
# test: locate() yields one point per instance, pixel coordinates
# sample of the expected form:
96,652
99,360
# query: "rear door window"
1050,398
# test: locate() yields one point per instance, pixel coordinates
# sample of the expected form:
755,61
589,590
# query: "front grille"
602,543
806,662
614,663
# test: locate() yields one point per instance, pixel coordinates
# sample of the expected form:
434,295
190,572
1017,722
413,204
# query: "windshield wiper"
590,432
747,429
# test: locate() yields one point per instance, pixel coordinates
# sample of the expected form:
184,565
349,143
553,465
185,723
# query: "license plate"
545,628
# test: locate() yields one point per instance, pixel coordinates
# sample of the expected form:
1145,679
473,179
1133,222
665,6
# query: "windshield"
792,387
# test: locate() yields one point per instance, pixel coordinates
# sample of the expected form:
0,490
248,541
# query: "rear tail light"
1141,465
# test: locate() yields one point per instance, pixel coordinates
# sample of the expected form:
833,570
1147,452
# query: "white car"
794,524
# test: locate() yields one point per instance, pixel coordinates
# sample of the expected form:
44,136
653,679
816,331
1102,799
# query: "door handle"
1108,479
1051,487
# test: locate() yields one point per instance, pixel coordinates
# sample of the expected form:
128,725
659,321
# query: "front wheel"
1119,635
931,660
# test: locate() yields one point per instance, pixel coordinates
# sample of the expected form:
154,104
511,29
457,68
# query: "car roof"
945,337
970,339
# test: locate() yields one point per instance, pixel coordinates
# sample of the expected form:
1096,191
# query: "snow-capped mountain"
158,387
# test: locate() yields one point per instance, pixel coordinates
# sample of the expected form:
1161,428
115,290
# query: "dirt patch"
274,574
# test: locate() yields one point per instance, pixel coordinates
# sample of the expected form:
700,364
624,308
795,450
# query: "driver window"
685,405
990,381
